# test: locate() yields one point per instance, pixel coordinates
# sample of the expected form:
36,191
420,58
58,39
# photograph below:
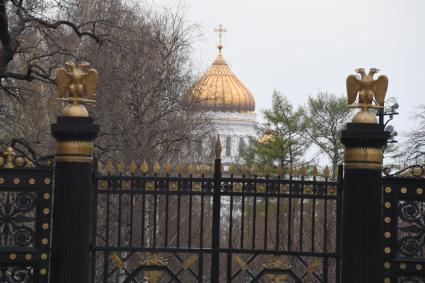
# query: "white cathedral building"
229,104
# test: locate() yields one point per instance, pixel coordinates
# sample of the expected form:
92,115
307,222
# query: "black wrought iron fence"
194,224
25,211
404,226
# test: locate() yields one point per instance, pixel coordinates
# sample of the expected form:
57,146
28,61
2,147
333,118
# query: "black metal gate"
404,226
25,211
200,226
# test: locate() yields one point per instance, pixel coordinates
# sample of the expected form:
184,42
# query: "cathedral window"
228,146
242,146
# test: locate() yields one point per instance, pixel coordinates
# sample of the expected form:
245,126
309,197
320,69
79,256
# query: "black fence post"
362,247
215,241
73,190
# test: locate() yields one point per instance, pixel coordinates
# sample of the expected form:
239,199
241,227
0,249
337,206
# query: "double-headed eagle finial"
76,85
371,93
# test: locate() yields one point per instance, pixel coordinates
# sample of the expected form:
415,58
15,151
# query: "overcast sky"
305,46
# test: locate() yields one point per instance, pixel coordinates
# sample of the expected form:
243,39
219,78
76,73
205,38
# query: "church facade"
230,106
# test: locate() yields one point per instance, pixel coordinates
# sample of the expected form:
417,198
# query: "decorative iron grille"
25,210
404,226
156,226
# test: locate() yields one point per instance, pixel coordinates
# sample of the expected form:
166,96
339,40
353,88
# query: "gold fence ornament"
314,266
326,172
168,168
109,167
202,169
117,260
191,169
144,168
180,168
280,171
121,167
9,154
189,262
232,169
156,168
303,171
267,169
241,263
244,170
133,167
291,171
76,85
314,171
371,94
255,169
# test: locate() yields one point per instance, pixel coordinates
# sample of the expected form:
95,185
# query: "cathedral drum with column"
229,104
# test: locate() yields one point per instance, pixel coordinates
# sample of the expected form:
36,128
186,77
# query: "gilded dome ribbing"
219,90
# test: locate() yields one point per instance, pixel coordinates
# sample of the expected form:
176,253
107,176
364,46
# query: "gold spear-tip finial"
76,85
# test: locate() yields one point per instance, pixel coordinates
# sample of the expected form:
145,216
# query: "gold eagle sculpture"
78,82
371,92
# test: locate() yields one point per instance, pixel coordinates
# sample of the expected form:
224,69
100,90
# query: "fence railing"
255,226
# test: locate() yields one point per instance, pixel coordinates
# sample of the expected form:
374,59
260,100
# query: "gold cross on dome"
220,30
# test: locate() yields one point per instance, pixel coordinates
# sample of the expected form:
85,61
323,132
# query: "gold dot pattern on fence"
19,161
43,271
261,188
150,186
308,190
387,204
387,265
28,256
12,256
403,190
419,191
387,220
43,256
31,181
237,187
47,181
126,185
284,188
45,226
419,267
1,180
388,190
103,184
197,187
46,210
16,181
173,186
403,266
387,250
387,235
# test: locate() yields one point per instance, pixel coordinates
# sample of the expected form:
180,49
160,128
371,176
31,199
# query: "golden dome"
219,90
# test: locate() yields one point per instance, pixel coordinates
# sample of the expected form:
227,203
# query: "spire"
220,30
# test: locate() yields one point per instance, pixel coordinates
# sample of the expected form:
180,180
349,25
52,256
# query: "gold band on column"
74,151
363,158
